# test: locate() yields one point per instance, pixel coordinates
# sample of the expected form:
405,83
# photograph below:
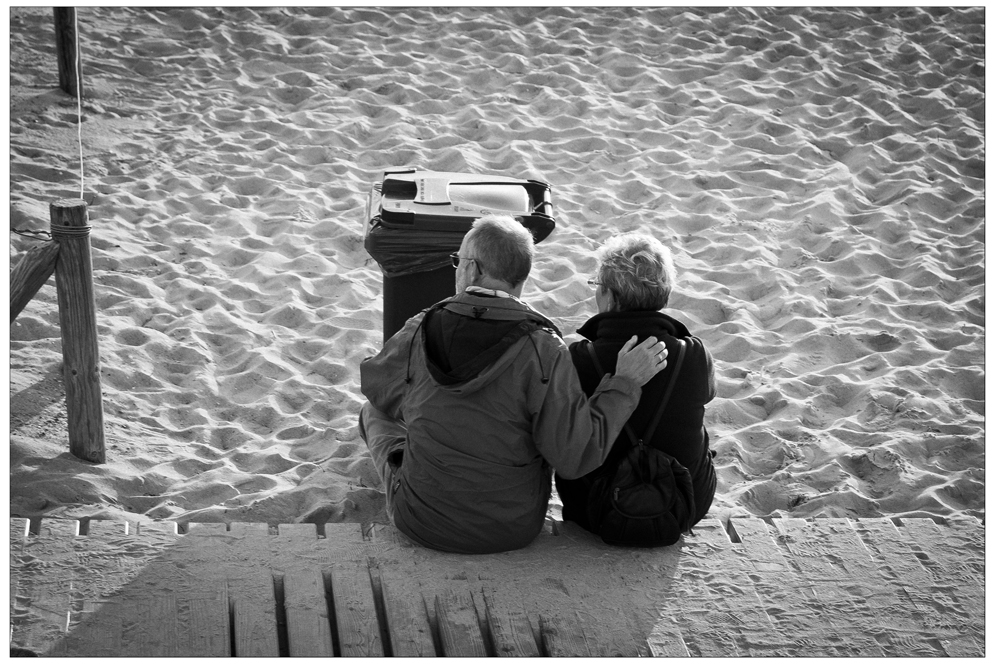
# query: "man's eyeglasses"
456,259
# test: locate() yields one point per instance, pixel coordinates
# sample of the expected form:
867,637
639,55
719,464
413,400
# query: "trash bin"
417,218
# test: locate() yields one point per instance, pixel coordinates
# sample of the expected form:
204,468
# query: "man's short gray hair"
639,271
504,246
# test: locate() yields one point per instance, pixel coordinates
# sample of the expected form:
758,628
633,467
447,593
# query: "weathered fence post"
78,319
70,65
30,274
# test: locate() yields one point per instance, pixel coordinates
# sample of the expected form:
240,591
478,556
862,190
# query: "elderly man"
475,399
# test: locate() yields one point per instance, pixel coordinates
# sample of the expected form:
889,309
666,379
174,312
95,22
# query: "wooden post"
70,65
30,274
78,320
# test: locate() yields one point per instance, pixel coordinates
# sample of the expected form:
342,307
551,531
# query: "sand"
819,174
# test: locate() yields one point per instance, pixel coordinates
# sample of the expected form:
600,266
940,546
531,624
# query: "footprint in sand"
255,484
881,342
294,397
256,463
299,434
878,466
229,437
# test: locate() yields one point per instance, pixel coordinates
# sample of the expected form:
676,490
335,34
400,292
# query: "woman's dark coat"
681,431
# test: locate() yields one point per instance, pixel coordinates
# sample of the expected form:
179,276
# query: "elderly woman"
634,279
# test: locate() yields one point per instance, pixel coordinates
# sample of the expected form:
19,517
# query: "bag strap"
666,395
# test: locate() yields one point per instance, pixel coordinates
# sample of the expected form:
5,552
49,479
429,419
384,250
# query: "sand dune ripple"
819,173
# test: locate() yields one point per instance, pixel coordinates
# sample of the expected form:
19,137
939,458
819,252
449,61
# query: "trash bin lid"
416,219
435,200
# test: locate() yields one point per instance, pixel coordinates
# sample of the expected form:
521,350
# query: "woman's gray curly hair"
639,271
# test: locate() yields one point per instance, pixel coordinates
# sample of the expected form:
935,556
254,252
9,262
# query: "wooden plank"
97,633
560,622
207,529
715,623
19,528
452,603
151,592
957,550
300,559
967,534
665,640
153,627
136,613
355,610
394,569
853,594
356,590
786,597
45,586
345,542
953,599
562,636
250,591
18,606
407,620
18,534
887,546
158,594
901,627
635,590
207,631
723,619
508,624
571,596
166,529
164,596
835,598
599,584
32,271
93,630
459,629
826,587
898,557
761,554
599,604
97,574
386,540
308,627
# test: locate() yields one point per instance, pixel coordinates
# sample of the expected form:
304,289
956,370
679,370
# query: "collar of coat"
480,303
619,326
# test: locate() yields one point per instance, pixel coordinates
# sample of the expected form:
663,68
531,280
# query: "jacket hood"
470,339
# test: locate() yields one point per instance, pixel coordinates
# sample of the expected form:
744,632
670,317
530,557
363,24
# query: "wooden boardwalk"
785,587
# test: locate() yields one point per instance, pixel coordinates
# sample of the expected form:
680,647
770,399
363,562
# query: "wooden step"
751,587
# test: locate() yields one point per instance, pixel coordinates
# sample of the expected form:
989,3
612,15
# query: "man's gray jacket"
475,476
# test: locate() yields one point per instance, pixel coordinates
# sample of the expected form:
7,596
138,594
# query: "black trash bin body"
416,219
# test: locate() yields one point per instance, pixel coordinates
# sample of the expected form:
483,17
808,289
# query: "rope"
70,231
79,101
55,233
33,234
